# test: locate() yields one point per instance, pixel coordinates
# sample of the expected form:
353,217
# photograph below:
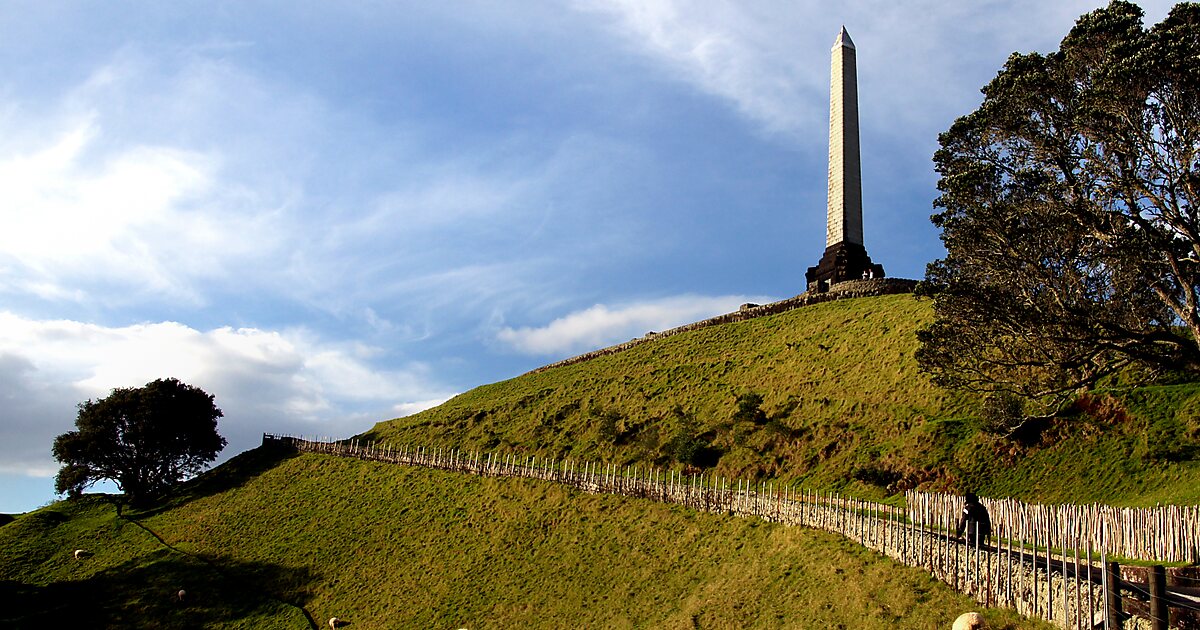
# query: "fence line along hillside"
1166,533
1039,573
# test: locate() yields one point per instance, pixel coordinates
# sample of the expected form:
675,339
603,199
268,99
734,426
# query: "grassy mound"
829,396
283,540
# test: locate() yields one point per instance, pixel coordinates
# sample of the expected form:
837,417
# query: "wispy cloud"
95,213
158,181
728,50
770,59
264,380
602,325
62,218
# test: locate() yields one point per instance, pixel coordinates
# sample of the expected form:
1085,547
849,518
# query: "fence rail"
1022,570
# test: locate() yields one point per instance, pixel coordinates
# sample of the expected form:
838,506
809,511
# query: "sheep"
969,621
180,596
81,554
334,622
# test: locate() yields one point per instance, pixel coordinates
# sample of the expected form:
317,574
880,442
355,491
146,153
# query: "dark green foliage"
686,445
876,476
749,409
1068,214
146,439
606,422
72,478
1003,413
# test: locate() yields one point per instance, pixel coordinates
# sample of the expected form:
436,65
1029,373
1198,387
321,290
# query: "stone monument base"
842,261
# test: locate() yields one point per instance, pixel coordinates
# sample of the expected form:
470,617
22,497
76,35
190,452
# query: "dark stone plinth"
842,261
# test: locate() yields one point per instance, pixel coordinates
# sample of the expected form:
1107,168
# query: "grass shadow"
144,593
229,475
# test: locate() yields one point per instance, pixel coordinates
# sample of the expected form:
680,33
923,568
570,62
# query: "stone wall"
840,291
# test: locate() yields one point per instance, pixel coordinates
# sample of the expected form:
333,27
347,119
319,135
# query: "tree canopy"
145,439
1067,209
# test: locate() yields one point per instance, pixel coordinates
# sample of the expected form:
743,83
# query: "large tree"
1067,209
145,439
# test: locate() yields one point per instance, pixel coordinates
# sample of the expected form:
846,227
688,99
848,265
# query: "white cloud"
109,197
601,325
264,381
770,59
727,50
64,218
409,408
184,180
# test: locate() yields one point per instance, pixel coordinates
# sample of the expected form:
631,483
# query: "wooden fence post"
1049,577
1113,595
1159,613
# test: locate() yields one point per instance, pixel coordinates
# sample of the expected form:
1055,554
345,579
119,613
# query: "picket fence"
1166,533
1022,571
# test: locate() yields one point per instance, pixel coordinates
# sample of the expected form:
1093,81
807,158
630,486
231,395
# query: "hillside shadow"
232,474
144,593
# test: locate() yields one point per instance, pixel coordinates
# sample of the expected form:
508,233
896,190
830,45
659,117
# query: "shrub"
607,422
749,409
685,445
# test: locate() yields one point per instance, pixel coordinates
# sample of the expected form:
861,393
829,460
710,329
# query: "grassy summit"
840,404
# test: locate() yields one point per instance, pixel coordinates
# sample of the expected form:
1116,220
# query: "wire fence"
1040,570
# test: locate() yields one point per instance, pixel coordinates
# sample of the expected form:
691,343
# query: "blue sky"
328,214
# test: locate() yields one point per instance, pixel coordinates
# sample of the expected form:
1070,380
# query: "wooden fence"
1166,533
1022,570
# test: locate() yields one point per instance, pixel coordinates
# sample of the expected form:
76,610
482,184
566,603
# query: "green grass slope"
827,396
280,541
842,406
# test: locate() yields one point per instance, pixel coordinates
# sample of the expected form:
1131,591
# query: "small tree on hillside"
749,409
685,443
145,439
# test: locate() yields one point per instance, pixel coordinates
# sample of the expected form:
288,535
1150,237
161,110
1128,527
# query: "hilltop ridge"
829,395
839,291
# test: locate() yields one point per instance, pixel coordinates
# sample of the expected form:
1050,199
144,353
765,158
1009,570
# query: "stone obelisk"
845,256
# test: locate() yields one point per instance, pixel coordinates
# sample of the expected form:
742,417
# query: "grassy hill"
842,406
274,541
828,396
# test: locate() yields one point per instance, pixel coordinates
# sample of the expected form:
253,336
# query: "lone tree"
1068,214
145,439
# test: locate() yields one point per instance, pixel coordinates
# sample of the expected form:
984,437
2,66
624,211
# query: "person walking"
974,521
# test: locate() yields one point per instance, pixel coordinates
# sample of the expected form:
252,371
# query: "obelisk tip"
843,39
